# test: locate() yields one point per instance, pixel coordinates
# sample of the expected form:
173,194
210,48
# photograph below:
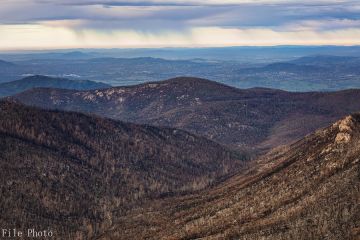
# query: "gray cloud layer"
114,23
164,15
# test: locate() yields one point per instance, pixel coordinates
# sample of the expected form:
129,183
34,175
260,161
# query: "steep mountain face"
309,191
76,174
253,119
14,87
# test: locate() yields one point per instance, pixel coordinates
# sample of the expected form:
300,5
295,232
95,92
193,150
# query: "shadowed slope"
76,174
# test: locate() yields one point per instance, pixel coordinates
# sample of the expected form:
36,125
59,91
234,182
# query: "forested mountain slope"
76,174
247,119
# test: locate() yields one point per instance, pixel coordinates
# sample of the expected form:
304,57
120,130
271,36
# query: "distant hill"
253,119
6,64
11,88
312,73
326,60
76,174
73,55
287,67
308,191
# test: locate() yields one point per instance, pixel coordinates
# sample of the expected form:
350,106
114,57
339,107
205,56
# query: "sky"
63,24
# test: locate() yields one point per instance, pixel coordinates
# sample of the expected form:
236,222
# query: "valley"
182,158
308,191
77,173
94,178
179,120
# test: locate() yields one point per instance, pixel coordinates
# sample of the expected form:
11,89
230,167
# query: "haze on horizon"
63,24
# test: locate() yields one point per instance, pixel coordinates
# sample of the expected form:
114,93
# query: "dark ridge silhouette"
36,81
6,64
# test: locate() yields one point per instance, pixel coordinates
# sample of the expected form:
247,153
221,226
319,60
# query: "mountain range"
87,177
239,53
310,73
11,88
180,159
253,120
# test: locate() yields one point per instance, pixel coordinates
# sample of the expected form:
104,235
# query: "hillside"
308,191
76,174
6,64
327,60
14,87
255,119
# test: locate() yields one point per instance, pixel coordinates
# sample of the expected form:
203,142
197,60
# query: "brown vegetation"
76,174
253,119
308,191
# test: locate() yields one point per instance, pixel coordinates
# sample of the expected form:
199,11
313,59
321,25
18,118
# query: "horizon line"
174,47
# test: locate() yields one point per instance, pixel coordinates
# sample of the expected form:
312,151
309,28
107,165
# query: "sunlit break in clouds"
54,24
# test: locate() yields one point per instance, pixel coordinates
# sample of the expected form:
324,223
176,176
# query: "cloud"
324,25
179,22
194,2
